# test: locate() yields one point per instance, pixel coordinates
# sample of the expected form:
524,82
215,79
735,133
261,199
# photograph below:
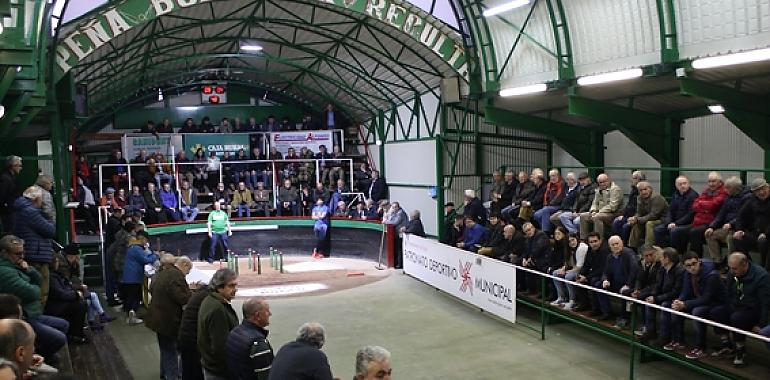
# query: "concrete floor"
431,336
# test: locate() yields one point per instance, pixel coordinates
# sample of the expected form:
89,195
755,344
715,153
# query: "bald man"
249,353
747,306
17,343
604,209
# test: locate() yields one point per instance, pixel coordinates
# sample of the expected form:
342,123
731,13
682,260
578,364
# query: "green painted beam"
12,111
585,144
7,80
562,37
669,40
724,95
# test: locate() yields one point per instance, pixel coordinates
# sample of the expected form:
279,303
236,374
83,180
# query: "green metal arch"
483,48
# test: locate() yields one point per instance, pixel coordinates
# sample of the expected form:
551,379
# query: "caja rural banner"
310,139
486,283
219,143
166,144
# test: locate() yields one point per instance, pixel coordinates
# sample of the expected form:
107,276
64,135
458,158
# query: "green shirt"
218,220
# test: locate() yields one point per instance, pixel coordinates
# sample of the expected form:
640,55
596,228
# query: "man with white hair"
604,209
45,182
30,225
473,207
396,217
303,358
373,363
721,228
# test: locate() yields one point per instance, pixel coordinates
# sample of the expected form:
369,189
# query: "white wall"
413,163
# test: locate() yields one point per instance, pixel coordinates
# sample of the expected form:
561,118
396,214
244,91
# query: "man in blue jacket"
702,291
474,235
748,302
676,224
249,354
619,277
30,225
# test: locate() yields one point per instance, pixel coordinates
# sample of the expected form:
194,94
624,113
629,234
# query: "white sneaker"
558,302
132,319
569,305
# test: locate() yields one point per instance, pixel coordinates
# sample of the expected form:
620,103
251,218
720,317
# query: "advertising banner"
483,282
152,144
310,139
219,143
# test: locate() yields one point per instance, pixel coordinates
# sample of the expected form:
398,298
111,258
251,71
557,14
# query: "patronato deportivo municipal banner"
166,144
310,139
219,143
486,283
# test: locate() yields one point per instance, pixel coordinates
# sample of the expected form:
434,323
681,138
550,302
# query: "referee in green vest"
219,229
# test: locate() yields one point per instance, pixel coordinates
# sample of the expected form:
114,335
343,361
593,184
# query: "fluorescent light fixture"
524,90
188,108
610,77
732,59
160,95
494,11
716,108
251,48
2,111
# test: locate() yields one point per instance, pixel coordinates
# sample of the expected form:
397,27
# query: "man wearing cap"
753,222
473,207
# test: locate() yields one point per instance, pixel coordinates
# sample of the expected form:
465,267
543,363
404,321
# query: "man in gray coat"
651,207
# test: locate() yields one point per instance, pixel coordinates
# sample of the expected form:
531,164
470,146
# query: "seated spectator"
359,213
206,126
138,255
340,193
473,208
242,200
495,234
149,127
747,306
108,200
22,280
619,277
83,169
199,171
72,271
721,228
705,208
188,202
570,271
224,126
651,207
455,233
496,191
362,177
170,203
570,219
321,192
241,171
371,210
260,171
308,124
212,169
673,230
752,225
165,126
323,165
524,190
154,205
605,207
118,169
228,165
305,200
271,125
306,173
222,195
668,288
262,199
650,270
510,248
274,154
238,126
286,125
341,210
558,260
287,199
620,225
65,302
378,189
290,169
120,199
183,168
535,256
136,200
141,157
570,196
555,192
252,125
593,270
17,349
414,226
535,201
702,291
157,172
473,235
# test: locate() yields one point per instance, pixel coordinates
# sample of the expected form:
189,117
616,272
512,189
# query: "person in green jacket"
219,229
216,318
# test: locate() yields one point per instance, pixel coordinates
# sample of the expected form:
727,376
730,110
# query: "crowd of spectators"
664,252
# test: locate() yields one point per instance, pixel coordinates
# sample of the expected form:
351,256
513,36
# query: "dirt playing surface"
302,276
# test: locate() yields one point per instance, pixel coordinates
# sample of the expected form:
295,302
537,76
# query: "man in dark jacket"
524,190
249,354
619,277
187,340
583,201
702,290
216,319
377,189
620,225
65,302
454,232
722,227
473,208
570,196
669,288
676,224
414,225
535,256
537,199
593,269
509,248
494,236
154,204
646,283
170,293
752,225
9,191
747,306
303,358
31,226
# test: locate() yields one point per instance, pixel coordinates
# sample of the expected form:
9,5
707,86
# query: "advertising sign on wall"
219,143
481,281
310,139
161,144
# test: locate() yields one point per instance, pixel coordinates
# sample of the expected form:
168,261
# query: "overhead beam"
724,95
585,144
7,80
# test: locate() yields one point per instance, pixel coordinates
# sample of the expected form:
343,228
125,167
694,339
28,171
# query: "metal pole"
259,264
280,261
382,243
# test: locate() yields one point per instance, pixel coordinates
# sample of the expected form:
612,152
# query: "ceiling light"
732,59
505,7
251,48
610,77
524,90
716,108
2,111
160,95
